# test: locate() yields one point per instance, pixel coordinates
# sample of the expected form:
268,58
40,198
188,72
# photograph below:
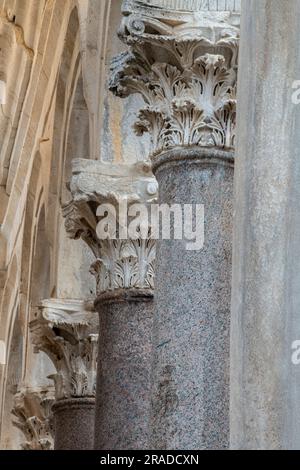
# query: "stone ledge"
194,155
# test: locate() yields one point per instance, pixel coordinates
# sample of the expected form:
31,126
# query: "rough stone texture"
190,395
265,412
123,381
186,74
74,424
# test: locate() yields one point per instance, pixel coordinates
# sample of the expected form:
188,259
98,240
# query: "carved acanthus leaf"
187,106
185,73
125,264
79,219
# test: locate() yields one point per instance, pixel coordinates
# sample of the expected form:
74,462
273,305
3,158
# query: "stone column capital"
66,330
184,65
33,416
120,264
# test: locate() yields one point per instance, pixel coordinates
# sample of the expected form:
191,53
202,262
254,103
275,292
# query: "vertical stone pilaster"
265,412
185,68
67,332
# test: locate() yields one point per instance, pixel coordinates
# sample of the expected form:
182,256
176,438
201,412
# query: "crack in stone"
9,19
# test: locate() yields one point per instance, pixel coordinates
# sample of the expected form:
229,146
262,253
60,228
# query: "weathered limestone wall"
48,86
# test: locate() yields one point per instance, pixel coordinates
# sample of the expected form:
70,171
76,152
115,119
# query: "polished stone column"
124,272
66,332
191,323
32,414
123,375
265,411
187,77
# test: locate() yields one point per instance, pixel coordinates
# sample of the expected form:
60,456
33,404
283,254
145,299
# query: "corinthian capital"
32,415
120,263
124,264
66,332
184,65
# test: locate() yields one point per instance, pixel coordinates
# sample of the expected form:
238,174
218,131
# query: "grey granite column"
191,322
187,78
265,398
123,374
65,331
74,421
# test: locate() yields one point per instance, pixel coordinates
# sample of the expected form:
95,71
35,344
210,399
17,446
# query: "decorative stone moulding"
66,331
97,182
120,264
143,18
185,69
32,413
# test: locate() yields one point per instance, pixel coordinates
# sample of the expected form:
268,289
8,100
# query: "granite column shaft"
123,373
190,383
